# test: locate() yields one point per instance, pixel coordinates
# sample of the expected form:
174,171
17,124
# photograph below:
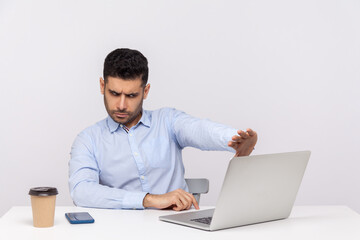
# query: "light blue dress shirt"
110,168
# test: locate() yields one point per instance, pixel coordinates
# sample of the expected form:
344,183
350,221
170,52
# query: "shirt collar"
145,118
114,126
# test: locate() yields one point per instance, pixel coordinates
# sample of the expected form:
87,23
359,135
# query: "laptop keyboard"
204,220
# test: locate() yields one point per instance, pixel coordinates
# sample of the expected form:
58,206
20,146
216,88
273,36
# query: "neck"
135,121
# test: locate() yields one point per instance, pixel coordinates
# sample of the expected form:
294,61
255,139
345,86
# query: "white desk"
305,222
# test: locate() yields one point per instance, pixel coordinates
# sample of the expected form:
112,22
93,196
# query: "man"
132,159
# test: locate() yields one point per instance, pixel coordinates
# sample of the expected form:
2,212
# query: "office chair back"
197,186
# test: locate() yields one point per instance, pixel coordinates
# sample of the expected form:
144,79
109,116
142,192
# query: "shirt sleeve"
201,133
85,189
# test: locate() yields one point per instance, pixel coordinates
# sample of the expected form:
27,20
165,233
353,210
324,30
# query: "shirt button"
121,125
136,154
142,177
130,135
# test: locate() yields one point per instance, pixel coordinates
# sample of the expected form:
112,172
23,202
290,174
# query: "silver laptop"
256,189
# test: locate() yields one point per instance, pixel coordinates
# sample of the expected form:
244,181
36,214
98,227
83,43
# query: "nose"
122,103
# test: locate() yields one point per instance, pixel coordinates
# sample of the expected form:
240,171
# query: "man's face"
123,99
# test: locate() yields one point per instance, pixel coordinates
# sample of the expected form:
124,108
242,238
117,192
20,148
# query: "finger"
178,205
250,132
194,202
237,138
234,145
242,134
176,208
188,201
185,202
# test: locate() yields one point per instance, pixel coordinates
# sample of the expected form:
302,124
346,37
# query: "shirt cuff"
227,136
133,200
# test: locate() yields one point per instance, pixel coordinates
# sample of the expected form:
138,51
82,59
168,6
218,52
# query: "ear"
146,90
102,86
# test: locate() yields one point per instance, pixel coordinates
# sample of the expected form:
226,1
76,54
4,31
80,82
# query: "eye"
133,95
114,93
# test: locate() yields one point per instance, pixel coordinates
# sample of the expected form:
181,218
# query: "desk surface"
305,222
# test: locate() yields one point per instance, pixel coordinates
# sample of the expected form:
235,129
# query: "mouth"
121,115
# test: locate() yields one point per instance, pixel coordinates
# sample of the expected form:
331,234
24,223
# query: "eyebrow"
127,94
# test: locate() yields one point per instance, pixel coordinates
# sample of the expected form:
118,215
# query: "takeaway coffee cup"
43,206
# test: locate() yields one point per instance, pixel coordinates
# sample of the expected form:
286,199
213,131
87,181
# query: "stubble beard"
131,115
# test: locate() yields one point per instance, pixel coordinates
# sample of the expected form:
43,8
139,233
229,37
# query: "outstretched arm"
208,135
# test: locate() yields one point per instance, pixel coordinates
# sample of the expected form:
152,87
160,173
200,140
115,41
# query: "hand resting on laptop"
177,200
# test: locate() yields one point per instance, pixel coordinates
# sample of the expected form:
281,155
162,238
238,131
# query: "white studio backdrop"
288,69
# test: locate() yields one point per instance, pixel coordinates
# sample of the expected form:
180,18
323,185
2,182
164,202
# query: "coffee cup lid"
43,191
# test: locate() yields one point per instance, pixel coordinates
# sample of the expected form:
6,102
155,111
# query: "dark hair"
127,64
